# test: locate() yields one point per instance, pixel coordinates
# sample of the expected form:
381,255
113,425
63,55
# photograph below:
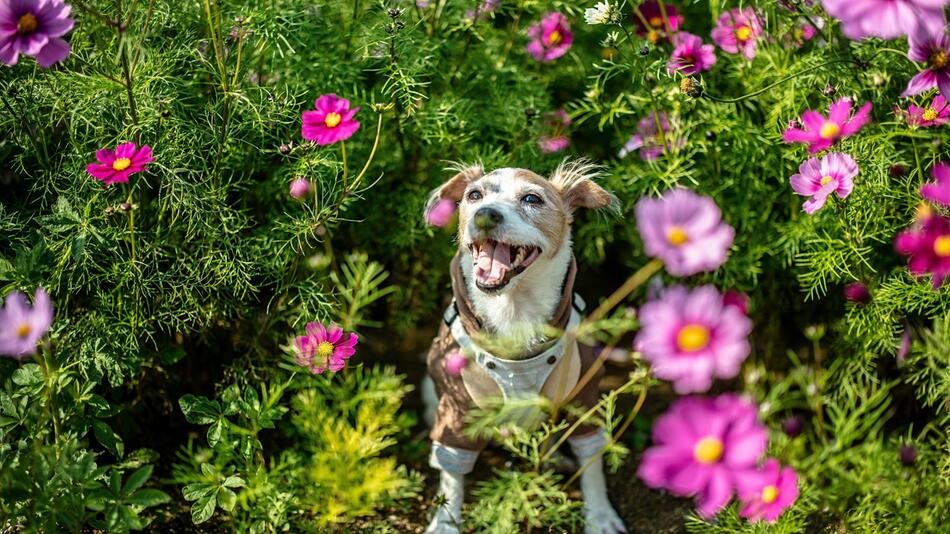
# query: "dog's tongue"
493,261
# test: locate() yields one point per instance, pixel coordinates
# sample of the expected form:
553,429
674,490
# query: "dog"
512,282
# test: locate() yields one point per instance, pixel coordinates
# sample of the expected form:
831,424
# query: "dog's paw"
602,520
442,523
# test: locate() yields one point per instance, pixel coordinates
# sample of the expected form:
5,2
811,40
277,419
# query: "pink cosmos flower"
934,114
738,300
654,137
800,34
690,55
685,230
300,188
939,190
22,325
934,50
323,349
556,139
928,246
775,492
648,17
551,38
483,11
34,28
440,214
736,31
692,337
820,133
887,19
707,448
818,178
331,122
115,166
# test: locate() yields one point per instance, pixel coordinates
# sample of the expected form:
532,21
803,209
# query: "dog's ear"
455,186
575,182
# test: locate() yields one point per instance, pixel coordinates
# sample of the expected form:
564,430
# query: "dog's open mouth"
497,263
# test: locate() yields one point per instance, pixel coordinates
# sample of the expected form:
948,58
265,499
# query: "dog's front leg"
454,464
599,516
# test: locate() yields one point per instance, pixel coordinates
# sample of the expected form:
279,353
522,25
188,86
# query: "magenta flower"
887,19
648,17
935,114
34,28
556,138
690,55
858,293
115,166
692,337
300,188
331,122
934,50
939,190
455,362
928,246
440,214
654,137
820,133
818,178
739,301
323,349
551,38
707,448
22,325
736,31
775,492
685,230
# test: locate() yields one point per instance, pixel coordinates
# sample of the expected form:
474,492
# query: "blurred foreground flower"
440,214
777,490
819,178
934,50
691,337
736,31
22,325
115,166
685,230
928,247
556,139
321,349
939,190
820,133
654,137
34,28
332,121
707,448
690,56
455,362
551,38
887,19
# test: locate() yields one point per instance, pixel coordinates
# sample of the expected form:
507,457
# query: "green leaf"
202,510
171,355
148,497
107,437
199,410
136,479
101,407
234,482
193,492
28,375
226,499
208,470
214,432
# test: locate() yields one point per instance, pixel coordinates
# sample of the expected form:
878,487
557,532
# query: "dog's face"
513,220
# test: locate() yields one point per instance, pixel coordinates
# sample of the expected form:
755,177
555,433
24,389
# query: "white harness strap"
517,379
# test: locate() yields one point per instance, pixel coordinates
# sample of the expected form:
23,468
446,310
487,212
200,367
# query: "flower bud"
300,188
907,454
857,293
793,425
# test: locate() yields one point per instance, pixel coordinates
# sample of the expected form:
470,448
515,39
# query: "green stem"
346,168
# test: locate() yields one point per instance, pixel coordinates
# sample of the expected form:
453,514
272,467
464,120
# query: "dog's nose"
487,218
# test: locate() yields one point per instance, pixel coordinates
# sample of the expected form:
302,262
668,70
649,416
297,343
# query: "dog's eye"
474,195
531,198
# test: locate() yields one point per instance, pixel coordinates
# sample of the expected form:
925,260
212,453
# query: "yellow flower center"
830,130
676,236
554,37
798,33
923,211
825,179
332,120
23,330
656,22
121,164
692,337
939,59
769,494
708,450
324,349
942,246
929,114
743,33
653,37
26,24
